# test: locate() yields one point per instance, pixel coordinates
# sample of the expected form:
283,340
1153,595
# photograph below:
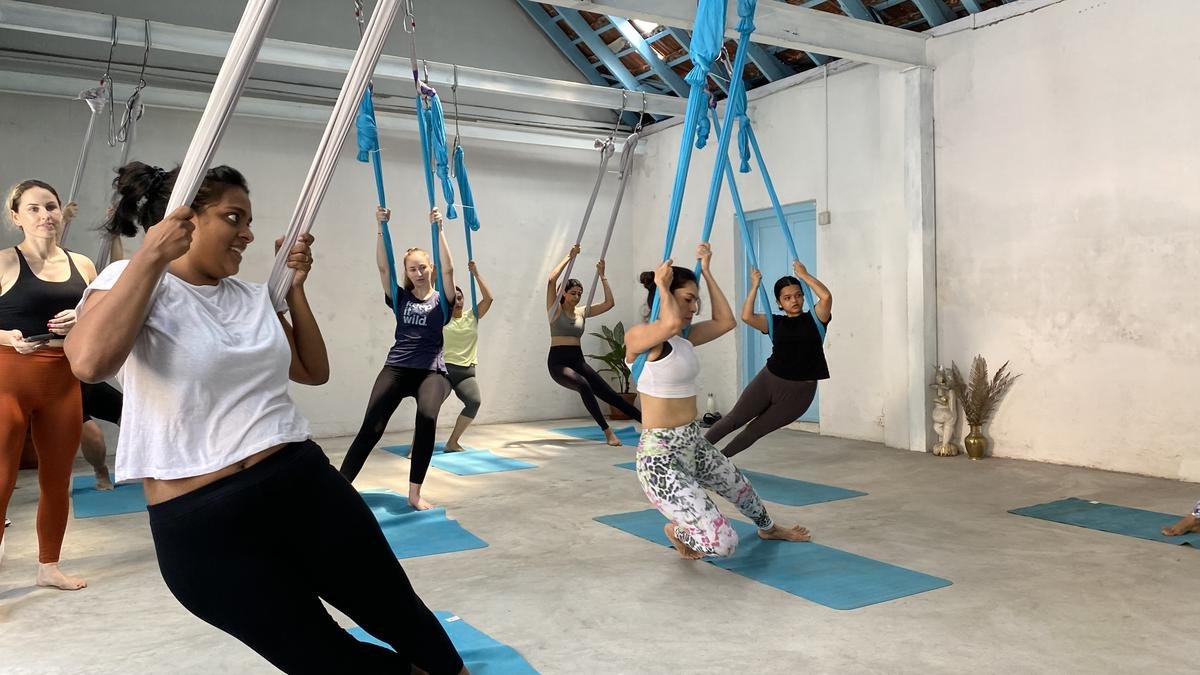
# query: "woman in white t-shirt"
252,526
460,346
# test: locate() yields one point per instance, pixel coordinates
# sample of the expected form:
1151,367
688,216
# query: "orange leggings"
41,389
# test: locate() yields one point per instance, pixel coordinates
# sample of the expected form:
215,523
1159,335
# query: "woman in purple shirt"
414,366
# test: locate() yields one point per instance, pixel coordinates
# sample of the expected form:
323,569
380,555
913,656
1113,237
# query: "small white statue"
945,415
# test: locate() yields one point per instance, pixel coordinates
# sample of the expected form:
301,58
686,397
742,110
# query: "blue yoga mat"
824,575
1109,518
412,533
627,435
469,462
92,503
787,491
481,654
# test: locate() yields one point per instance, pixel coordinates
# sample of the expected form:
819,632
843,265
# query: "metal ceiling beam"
857,9
657,65
550,27
768,65
936,12
718,69
972,6
28,17
584,30
782,25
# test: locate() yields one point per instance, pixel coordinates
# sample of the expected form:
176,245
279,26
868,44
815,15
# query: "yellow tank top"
461,338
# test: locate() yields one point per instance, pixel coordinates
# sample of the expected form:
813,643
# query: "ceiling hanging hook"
145,54
454,95
410,18
112,44
641,115
106,83
454,98
620,114
133,106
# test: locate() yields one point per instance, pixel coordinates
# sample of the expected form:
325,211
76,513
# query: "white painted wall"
1066,214
861,255
530,199
1068,238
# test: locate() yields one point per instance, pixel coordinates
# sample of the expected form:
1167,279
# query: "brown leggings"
39,388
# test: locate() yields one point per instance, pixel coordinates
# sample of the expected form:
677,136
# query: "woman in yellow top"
461,336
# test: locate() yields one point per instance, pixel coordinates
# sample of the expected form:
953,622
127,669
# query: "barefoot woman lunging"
675,465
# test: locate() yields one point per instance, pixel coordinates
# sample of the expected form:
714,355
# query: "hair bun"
646,279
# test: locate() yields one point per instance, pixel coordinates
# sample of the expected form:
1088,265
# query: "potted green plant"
614,362
979,398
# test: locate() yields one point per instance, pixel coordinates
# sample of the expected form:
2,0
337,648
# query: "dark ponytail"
681,277
142,192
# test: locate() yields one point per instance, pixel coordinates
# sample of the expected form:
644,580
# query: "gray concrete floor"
574,596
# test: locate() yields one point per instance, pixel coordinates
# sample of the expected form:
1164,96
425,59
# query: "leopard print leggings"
675,467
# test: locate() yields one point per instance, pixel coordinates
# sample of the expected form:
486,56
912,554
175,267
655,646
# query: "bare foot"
103,480
415,500
1186,525
686,551
794,533
50,576
612,438
453,446
421,504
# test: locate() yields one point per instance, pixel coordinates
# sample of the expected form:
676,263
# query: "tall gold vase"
976,443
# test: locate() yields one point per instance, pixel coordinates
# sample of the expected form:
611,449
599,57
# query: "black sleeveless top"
32,302
797,353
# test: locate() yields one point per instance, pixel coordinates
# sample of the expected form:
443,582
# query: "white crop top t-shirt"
206,384
673,375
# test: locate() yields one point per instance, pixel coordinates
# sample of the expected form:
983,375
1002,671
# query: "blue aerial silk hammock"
368,150
747,143
470,216
431,125
435,158
708,34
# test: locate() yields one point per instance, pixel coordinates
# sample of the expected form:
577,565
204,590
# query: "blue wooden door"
771,248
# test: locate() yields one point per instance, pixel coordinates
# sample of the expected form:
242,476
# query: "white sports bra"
674,375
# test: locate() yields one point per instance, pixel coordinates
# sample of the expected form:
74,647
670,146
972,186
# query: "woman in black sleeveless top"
40,284
784,389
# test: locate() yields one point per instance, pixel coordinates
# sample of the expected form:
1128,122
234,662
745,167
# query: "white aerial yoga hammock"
321,171
243,50
606,146
97,99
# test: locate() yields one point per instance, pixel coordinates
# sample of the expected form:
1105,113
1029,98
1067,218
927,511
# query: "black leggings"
568,368
254,553
393,385
101,401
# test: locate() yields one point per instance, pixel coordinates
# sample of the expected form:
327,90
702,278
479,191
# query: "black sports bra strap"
666,351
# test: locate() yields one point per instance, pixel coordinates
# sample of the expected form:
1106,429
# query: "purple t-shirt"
418,333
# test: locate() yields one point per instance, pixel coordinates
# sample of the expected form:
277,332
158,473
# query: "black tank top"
32,301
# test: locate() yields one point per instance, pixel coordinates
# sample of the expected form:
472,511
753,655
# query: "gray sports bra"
564,326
